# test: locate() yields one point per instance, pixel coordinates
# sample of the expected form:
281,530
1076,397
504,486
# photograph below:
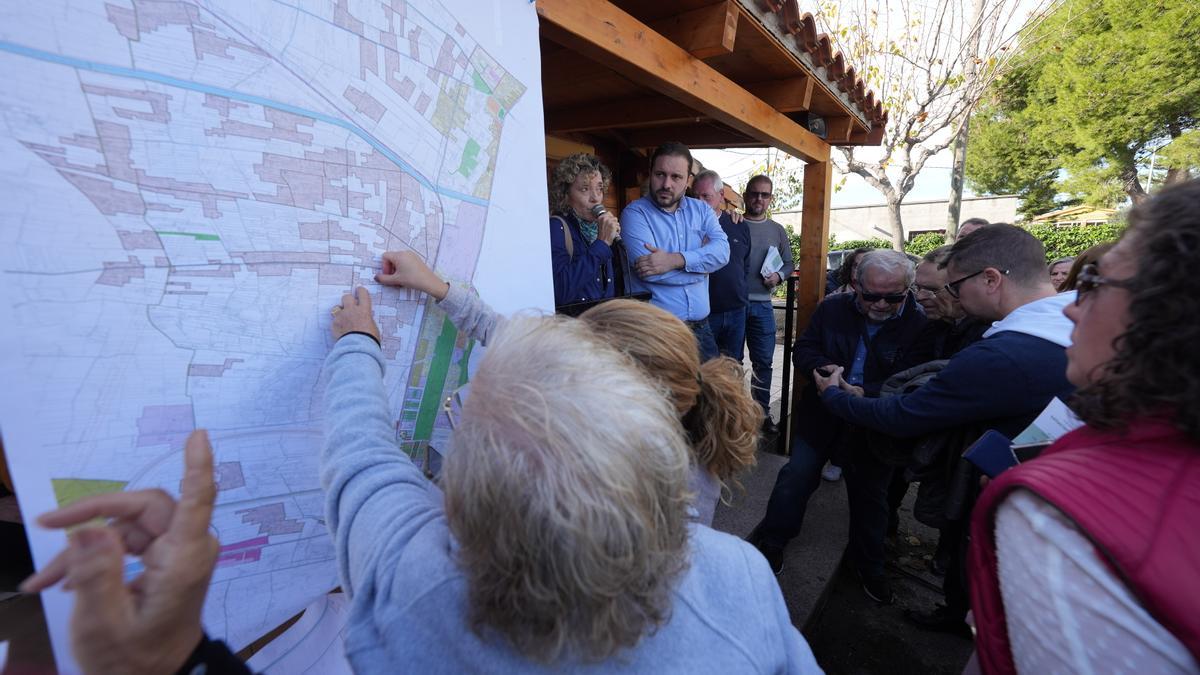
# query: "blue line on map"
29,52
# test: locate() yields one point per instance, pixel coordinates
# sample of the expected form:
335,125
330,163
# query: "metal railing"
784,440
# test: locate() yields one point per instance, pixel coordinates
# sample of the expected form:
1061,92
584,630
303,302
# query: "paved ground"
851,635
848,632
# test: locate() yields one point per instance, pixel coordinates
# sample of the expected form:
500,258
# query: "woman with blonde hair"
587,265
720,417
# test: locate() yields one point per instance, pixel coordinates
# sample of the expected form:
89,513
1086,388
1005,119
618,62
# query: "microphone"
599,210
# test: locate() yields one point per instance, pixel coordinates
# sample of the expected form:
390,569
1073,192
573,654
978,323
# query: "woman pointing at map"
559,538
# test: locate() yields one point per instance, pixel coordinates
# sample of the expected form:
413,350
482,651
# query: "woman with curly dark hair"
587,266
1086,559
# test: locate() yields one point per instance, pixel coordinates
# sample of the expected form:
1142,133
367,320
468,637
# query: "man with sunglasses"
760,315
1002,382
873,333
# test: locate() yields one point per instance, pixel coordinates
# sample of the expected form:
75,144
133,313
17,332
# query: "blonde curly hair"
572,525
718,413
564,175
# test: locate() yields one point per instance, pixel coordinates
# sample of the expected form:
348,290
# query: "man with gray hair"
1002,382
869,334
726,286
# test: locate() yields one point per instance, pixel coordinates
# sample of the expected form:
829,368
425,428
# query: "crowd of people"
569,527
690,255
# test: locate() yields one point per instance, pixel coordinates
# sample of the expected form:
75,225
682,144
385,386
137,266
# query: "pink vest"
1135,495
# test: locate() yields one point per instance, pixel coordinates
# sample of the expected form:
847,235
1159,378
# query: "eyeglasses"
926,289
890,299
953,287
1089,279
758,195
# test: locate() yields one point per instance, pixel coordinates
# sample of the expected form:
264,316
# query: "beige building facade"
867,222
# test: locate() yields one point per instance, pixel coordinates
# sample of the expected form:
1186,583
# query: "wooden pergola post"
710,74
814,238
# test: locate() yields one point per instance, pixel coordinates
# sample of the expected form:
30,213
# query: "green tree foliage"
1099,86
875,242
924,243
1060,242
1072,240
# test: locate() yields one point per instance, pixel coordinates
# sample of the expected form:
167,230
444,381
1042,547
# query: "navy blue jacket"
1001,382
591,274
832,339
727,286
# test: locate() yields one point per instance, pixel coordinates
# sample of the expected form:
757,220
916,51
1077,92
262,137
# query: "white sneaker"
831,472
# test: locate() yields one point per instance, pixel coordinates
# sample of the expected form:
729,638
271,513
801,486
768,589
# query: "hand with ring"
354,315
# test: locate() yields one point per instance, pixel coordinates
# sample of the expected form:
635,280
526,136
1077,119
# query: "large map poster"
188,186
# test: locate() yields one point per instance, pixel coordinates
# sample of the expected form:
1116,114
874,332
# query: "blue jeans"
795,484
729,329
704,336
867,482
760,338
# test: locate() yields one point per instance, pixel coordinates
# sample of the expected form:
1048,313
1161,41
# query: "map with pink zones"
188,187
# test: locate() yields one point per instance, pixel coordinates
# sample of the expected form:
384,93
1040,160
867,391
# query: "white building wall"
866,222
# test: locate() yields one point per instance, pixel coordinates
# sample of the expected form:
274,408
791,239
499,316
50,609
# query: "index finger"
198,492
364,297
121,505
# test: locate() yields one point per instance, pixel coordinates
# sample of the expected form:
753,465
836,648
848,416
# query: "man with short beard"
760,315
674,242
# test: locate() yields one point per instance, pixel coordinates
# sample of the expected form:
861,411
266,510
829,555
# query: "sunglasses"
1089,279
953,287
889,299
758,195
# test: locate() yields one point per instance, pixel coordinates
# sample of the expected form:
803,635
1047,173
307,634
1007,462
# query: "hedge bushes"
1060,242
1073,239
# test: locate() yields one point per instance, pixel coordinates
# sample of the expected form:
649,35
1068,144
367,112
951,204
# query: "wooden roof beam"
620,113
838,129
791,95
691,135
612,37
704,32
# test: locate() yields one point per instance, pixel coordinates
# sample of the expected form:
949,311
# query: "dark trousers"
795,484
867,482
729,329
954,584
704,336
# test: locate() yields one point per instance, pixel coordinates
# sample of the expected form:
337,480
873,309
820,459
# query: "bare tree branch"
929,62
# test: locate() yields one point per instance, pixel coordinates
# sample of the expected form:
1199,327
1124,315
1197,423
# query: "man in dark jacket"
871,333
1001,382
950,330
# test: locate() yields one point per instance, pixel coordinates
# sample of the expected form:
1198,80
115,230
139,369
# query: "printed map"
188,187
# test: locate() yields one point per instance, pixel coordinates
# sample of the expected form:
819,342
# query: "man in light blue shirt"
674,242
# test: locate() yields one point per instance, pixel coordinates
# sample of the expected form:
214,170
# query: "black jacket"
832,339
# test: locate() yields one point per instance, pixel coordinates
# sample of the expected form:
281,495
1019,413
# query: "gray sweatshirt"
396,560
763,235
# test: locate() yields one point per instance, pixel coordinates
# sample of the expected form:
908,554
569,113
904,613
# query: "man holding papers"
770,264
